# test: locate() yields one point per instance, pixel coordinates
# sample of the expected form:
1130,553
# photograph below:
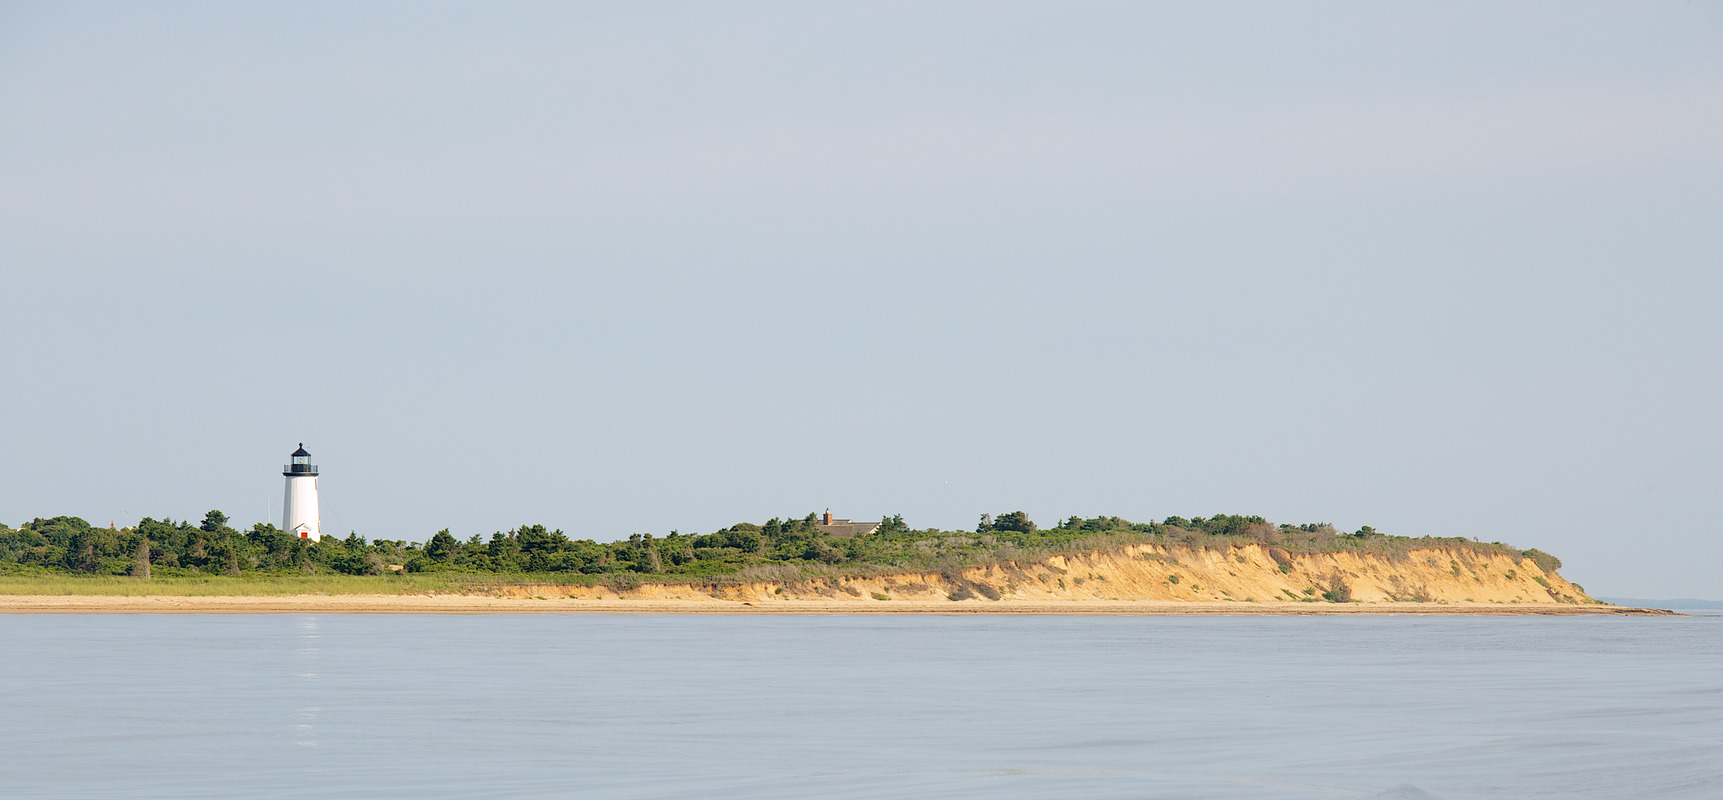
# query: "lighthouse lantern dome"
300,463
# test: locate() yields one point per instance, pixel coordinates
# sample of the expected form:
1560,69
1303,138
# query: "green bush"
1545,561
1338,591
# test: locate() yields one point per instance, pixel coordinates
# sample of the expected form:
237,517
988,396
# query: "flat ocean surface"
269,706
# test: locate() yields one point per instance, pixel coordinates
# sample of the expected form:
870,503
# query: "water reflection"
307,663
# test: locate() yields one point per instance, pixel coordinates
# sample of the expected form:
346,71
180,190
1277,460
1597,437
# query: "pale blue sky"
1447,269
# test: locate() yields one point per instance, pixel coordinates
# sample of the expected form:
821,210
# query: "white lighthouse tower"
299,510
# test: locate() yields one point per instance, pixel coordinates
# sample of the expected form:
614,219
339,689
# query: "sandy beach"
472,604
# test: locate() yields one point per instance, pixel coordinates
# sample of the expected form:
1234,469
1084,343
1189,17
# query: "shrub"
881,596
770,572
1545,561
622,582
1417,593
1338,590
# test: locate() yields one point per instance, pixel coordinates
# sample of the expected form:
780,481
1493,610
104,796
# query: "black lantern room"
301,463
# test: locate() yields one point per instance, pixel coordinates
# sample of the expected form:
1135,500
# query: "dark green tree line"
162,547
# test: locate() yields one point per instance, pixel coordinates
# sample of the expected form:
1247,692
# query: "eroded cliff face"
1247,574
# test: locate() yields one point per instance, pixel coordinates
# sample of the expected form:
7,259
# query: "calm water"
862,706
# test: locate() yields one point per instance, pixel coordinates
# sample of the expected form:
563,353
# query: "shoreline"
478,604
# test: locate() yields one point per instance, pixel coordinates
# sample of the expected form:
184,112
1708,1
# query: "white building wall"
299,510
